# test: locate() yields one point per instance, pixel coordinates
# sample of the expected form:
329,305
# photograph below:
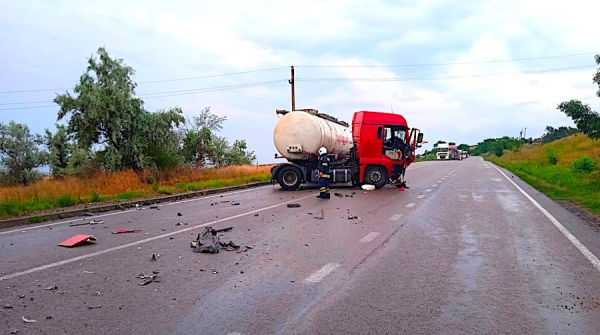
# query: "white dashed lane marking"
412,204
428,190
395,217
322,273
369,237
421,196
434,185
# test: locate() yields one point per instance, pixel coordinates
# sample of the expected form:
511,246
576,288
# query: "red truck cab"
373,133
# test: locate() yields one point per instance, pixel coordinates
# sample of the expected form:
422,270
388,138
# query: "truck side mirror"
420,138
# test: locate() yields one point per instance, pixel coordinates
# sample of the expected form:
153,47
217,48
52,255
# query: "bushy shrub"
552,156
584,164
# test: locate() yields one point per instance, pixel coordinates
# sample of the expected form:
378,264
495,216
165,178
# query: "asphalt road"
468,249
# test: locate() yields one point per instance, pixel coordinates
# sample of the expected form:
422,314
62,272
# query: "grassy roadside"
550,169
121,186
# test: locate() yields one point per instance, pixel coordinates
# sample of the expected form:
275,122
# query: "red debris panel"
77,240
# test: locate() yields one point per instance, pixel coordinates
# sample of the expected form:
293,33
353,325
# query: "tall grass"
549,168
125,185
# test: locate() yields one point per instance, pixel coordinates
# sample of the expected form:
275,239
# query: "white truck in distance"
443,151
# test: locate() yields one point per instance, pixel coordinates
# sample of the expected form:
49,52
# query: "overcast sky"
45,44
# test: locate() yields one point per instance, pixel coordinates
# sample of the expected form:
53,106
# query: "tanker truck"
361,153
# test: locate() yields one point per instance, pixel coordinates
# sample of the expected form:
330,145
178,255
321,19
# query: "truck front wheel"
376,175
289,178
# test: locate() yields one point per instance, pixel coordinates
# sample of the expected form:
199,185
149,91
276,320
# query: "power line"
245,85
175,93
446,64
154,81
440,77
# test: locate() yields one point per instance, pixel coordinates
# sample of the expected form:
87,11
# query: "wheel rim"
290,178
375,177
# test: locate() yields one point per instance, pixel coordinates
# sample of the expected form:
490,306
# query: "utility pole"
291,81
525,134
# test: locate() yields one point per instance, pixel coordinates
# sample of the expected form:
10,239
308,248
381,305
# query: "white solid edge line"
322,273
412,204
585,251
369,237
128,211
150,239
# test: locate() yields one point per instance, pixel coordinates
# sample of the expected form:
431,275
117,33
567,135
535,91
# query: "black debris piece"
338,195
293,205
178,224
256,214
352,217
155,256
87,214
235,204
94,307
209,241
7,306
179,214
153,206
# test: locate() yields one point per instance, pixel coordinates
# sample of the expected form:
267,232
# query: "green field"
566,169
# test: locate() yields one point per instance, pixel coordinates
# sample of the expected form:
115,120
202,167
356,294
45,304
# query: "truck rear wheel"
376,175
289,178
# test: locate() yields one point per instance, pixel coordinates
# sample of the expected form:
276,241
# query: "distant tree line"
108,129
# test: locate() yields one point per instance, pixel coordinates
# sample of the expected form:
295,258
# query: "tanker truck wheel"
376,175
289,178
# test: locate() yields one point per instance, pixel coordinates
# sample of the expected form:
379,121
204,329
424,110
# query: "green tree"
59,150
553,134
20,153
239,154
201,146
587,121
103,110
162,139
464,147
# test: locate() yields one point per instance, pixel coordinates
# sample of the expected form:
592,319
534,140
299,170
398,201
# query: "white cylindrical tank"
299,135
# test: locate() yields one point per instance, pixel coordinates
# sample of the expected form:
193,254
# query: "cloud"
166,40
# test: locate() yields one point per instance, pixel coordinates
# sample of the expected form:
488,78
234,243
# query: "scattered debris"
224,201
87,214
179,214
52,288
93,222
256,214
147,279
77,240
153,206
8,306
94,307
338,195
368,187
235,204
29,321
178,224
293,205
320,217
209,241
123,231
89,272
48,318
352,217
155,256
14,331
97,294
